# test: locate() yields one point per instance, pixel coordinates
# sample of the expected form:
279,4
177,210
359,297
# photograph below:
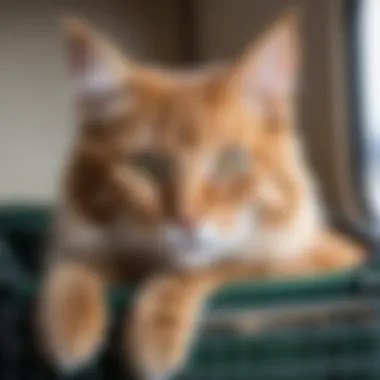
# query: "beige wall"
36,123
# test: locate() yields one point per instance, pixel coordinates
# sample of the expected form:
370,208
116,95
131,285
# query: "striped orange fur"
184,181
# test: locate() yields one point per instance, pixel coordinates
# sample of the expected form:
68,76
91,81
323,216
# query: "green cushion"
24,227
337,349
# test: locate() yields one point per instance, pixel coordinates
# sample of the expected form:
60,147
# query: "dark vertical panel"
188,32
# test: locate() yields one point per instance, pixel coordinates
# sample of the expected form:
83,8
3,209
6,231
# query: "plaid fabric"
246,333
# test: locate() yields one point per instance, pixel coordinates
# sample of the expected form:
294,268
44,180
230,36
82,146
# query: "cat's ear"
98,70
270,66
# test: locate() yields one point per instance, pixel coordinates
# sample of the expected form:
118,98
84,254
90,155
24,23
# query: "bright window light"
369,66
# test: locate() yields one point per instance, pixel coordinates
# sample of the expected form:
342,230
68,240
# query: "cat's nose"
187,222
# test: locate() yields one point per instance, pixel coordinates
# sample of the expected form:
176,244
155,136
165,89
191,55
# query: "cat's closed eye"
155,165
231,162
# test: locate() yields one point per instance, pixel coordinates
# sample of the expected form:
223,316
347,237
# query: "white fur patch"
96,80
207,242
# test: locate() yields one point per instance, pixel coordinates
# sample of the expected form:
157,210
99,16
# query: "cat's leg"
71,314
163,323
164,318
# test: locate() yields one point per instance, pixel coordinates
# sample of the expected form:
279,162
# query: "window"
368,88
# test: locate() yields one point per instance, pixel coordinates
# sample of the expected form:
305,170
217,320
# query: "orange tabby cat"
185,181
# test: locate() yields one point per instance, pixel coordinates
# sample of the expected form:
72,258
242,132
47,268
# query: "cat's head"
193,157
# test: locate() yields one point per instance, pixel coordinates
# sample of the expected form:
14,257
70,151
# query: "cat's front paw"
71,316
162,325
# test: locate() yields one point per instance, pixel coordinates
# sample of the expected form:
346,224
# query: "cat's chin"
193,259
208,243
197,255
